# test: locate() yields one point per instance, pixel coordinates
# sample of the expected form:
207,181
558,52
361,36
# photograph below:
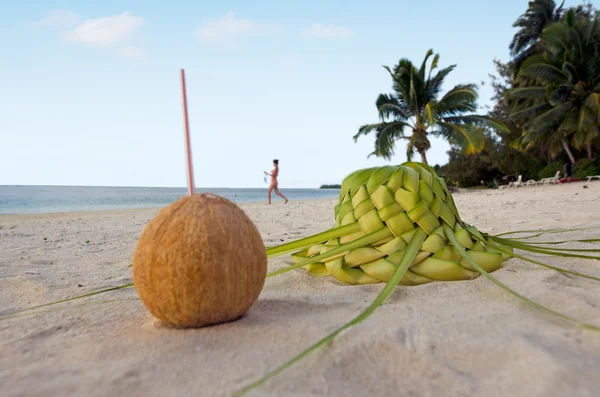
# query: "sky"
90,91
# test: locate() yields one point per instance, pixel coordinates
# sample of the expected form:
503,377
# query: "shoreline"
65,202
140,210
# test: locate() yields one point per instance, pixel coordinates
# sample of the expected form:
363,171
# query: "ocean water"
46,199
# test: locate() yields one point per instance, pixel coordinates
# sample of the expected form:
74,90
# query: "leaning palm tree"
531,24
527,41
414,106
562,107
540,14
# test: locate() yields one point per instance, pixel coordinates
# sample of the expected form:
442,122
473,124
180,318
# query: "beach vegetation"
330,186
558,105
547,97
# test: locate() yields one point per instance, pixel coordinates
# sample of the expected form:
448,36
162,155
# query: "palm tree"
414,105
539,14
562,107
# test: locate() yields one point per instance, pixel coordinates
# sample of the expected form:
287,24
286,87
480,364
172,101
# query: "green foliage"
550,170
499,158
470,170
330,187
495,161
556,99
587,167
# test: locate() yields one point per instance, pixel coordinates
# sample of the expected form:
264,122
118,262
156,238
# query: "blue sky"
91,95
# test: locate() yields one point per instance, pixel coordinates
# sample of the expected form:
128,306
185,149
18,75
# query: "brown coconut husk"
200,261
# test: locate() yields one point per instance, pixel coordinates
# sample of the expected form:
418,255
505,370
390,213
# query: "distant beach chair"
531,182
555,179
518,182
589,178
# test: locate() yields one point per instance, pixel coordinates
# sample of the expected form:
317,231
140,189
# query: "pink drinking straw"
188,147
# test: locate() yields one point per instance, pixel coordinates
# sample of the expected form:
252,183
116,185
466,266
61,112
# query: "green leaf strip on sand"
507,252
409,256
68,307
543,246
452,237
546,251
588,240
11,314
542,231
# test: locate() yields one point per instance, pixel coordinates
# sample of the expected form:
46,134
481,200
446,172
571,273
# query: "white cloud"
106,30
321,31
58,18
228,29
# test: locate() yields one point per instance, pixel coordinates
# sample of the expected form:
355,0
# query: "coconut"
200,261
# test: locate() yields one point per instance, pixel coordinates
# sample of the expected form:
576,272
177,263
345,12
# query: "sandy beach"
467,338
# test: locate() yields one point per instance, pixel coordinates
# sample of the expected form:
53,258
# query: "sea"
49,199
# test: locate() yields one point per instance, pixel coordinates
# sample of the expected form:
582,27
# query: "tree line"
545,112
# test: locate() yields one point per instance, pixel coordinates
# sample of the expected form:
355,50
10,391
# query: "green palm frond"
389,70
465,93
548,120
592,106
570,122
587,121
429,114
476,120
401,80
385,136
410,147
424,65
560,94
530,112
522,40
571,72
556,37
527,93
389,107
413,100
467,137
578,139
593,28
433,86
459,100
544,72
532,57
575,44
367,129
434,65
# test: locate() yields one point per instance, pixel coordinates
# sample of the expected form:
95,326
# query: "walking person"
569,171
274,183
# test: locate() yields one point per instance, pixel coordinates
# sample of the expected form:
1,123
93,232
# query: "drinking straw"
188,147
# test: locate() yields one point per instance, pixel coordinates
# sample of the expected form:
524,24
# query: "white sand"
442,339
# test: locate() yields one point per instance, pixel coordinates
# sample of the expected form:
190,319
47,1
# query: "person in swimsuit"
274,183
569,171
